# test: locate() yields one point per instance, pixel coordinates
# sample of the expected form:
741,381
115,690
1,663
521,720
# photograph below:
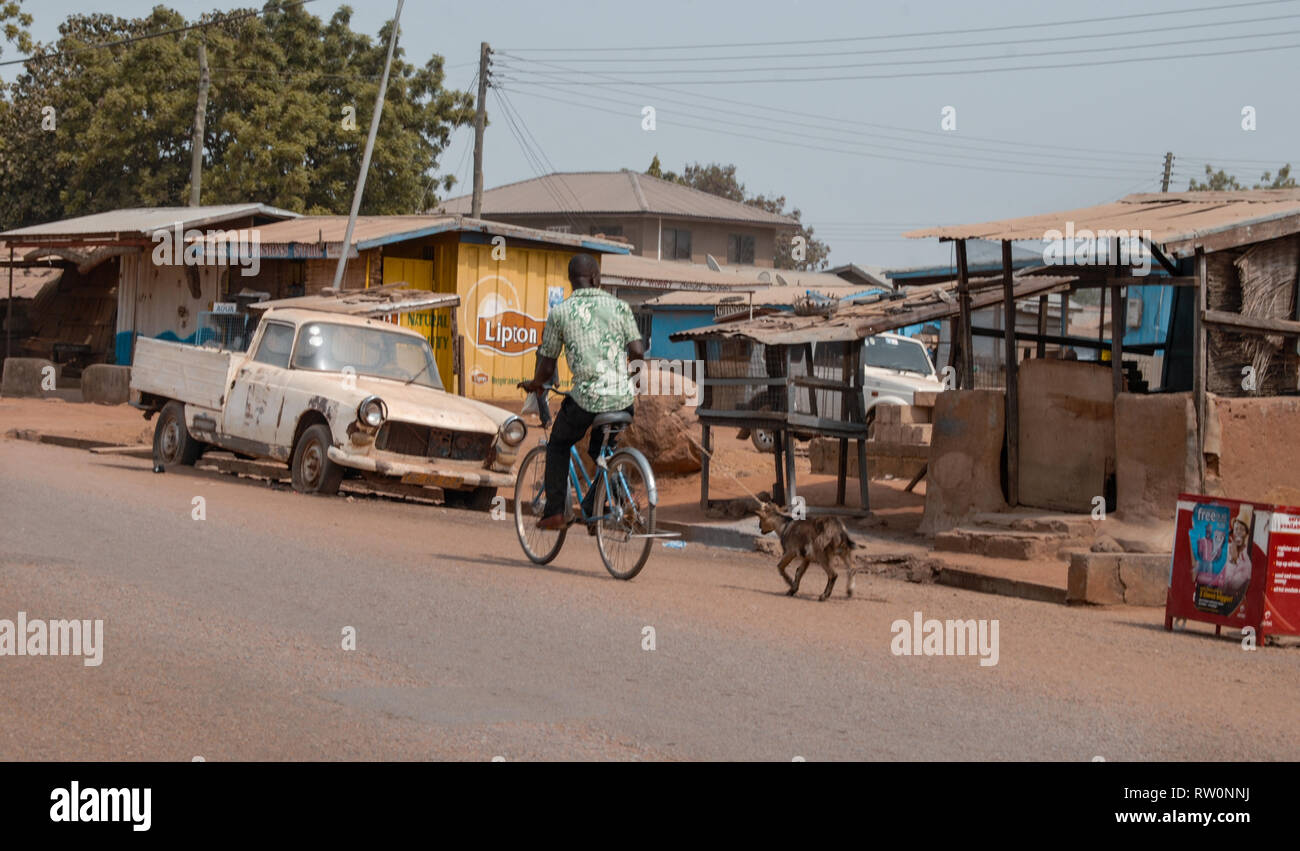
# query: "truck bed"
190,374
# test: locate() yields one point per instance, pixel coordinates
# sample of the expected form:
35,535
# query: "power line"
606,83
923,47
40,57
537,146
963,159
806,146
948,142
535,164
951,60
962,31
973,71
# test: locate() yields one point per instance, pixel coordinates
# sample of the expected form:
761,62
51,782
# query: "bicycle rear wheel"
540,545
627,515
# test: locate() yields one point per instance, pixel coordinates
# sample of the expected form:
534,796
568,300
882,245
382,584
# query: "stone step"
1005,543
1079,526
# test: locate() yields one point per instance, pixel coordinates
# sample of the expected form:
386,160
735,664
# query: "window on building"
676,244
560,228
607,230
740,248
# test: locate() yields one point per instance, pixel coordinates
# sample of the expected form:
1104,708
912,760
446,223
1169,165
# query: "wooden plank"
1242,235
1133,281
963,297
1041,351
862,476
1077,342
1250,324
706,443
1013,393
842,473
1199,358
1117,323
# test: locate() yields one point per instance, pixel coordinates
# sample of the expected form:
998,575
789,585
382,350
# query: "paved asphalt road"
223,639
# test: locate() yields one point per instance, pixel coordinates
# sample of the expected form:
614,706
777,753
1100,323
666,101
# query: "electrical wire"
962,31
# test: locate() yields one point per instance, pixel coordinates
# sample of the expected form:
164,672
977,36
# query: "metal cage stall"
797,388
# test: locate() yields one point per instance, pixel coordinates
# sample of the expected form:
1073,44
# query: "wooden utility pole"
1169,166
480,120
200,117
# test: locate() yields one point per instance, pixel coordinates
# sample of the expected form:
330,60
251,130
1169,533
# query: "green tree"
721,180
13,25
275,131
1221,180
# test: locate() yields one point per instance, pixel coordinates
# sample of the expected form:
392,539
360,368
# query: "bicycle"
624,502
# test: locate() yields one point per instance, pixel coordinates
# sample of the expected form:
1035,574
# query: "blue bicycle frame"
582,483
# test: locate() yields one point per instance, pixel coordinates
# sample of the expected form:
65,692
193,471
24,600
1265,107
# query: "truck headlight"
513,431
372,411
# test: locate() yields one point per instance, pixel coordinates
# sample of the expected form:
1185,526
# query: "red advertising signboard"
1235,564
1282,593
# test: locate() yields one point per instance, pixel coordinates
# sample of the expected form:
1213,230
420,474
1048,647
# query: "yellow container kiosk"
507,277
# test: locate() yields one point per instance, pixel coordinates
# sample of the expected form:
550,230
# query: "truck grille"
426,442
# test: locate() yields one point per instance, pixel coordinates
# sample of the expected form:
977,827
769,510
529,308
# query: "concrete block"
1155,453
106,384
1255,434
887,415
1067,433
925,398
1134,579
1145,578
1094,578
912,415
24,376
965,474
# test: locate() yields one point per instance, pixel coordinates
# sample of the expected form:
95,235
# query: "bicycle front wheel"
540,545
627,515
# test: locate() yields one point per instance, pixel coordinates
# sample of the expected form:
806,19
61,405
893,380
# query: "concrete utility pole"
1169,165
200,117
480,119
365,158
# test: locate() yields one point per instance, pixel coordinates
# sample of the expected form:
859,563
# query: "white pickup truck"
329,394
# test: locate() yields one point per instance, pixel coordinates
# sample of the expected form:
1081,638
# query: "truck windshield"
893,353
329,347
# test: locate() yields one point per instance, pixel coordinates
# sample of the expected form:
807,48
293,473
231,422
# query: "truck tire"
478,499
313,471
173,444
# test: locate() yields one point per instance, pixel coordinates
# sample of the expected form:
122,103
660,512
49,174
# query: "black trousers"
571,423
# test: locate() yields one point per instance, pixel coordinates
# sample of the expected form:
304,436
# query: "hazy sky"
864,159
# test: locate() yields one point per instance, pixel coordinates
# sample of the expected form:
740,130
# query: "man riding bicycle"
597,333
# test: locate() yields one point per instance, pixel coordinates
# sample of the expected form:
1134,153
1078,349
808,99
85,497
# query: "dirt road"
223,638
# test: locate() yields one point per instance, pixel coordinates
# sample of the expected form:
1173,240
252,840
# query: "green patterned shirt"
593,328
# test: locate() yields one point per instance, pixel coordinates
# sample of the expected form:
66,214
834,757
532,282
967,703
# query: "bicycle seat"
612,418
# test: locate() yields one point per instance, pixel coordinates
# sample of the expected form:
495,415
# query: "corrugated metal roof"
862,320
761,295
321,236
610,193
633,270
1176,220
138,221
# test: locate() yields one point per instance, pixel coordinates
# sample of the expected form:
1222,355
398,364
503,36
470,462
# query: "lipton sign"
510,332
